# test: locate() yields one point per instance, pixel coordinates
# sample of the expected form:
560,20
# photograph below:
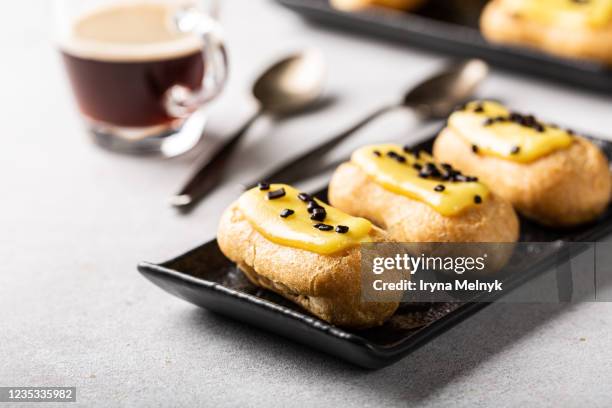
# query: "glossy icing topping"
493,130
287,217
590,13
418,176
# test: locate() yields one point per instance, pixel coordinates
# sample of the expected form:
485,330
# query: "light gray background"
75,220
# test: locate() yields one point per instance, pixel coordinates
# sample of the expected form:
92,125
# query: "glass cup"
142,71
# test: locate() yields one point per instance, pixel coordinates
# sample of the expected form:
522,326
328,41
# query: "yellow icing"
403,178
297,230
590,13
501,139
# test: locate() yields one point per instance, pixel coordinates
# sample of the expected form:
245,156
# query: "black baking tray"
451,27
206,278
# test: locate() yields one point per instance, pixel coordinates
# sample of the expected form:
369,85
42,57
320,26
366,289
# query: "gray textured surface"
75,220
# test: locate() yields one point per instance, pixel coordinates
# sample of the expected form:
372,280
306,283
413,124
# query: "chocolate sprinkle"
477,199
318,214
395,156
377,153
491,121
286,212
304,197
515,150
312,205
475,148
263,185
342,229
528,121
276,194
430,170
323,227
441,172
439,188
407,149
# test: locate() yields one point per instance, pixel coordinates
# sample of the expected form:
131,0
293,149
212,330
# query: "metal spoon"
286,88
434,98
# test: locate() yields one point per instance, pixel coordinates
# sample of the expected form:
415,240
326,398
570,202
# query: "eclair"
549,174
305,250
568,28
416,199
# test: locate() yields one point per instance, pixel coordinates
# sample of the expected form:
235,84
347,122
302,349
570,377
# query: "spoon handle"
210,172
294,169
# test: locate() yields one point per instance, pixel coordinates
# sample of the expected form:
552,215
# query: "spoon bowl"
439,95
292,84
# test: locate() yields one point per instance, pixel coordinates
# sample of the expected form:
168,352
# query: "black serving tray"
451,26
206,278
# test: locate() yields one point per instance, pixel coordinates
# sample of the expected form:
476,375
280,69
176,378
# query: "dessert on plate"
549,174
569,28
416,199
305,250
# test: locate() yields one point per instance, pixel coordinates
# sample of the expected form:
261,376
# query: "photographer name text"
422,286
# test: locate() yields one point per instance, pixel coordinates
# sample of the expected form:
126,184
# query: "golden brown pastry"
356,5
569,28
415,199
549,174
270,234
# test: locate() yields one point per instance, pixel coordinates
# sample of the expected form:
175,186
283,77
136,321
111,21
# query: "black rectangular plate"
206,278
451,27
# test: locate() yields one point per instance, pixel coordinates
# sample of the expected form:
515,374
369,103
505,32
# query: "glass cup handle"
182,101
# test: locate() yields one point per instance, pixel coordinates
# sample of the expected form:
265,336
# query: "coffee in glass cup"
140,69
